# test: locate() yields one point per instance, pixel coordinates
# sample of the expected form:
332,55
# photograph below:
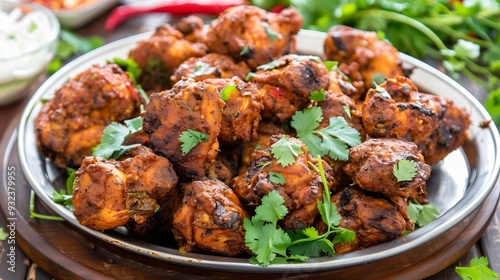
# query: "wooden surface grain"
79,255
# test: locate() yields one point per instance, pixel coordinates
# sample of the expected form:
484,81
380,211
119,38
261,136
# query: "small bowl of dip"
28,38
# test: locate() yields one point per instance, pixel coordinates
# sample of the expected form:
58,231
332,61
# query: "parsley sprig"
113,137
285,151
332,140
478,269
405,170
272,245
422,215
190,138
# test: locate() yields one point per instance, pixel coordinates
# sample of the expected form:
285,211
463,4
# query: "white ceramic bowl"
28,38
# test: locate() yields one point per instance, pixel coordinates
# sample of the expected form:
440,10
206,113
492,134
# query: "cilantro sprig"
478,269
272,245
422,215
285,151
113,137
405,170
190,138
332,140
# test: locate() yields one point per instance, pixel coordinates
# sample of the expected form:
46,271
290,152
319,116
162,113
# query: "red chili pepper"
122,13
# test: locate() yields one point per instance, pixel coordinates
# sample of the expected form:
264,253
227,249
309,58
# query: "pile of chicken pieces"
200,198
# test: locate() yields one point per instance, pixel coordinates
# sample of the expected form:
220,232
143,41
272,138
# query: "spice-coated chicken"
373,56
371,166
301,186
250,34
210,219
191,28
241,114
159,56
192,108
287,83
111,193
396,109
212,65
71,123
373,217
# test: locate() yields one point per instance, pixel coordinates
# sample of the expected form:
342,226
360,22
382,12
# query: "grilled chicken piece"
301,188
340,82
188,106
375,57
71,123
161,54
241,115
210,219
400,111
110,193
372,162
287,83
373,217
212,65
191,28
449,135
250,34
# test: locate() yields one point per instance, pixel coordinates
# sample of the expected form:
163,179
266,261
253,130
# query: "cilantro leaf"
3,234
307,120
405,170
200,69
190,138
422,215
130,66
276,178
273,35
226,92
270,65
331,65
265,240
478,269
113,137
285,151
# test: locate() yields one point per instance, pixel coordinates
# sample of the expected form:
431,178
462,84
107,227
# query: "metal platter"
458,185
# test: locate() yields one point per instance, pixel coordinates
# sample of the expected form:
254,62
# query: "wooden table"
488,245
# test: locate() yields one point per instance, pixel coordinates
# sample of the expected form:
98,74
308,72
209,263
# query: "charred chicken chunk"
449,135
71,123
301,186
191,28
241,114
110,193
212,65
190,108
372,162
250,34
210,219
373,217
396,109
161,54
375,57
287,83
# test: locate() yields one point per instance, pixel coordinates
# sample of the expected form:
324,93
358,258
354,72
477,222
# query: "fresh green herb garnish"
462,35
332,140
347,110
381,90
70,44
113,137
245,50
272,245
249,76
273,35
276,178
226,92
285,151
130,66
422,215
3,234
200,69
405,170
478,269
271,65
317,95
34,214
331,65
190,138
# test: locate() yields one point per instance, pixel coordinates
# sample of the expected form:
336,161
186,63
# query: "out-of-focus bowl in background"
28,38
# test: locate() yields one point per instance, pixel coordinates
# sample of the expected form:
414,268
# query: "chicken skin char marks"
250,34
111,193
301,189
198,80
210,219
71,123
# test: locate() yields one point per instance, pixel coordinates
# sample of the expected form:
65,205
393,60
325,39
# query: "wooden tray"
67,253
